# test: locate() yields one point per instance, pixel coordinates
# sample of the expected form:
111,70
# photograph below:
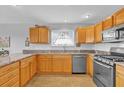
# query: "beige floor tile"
61,81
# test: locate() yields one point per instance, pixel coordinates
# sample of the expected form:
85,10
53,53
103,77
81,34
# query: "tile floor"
61,81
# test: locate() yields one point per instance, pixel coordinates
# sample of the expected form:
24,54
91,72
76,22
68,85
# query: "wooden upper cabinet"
33,34
119,17
39,35
80,35
108,23
43,35
90,34
98,33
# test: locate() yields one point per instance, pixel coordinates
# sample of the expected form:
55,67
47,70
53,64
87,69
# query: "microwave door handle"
103,65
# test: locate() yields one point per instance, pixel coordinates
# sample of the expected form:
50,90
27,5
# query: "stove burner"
108,59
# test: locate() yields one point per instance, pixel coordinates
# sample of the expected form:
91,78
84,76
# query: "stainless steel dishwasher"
79,63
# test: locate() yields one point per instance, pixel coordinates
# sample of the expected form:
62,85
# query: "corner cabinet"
119,17
98,33
39,35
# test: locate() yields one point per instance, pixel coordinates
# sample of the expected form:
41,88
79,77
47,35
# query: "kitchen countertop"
5,60
120,63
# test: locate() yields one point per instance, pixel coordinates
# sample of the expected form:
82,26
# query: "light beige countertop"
120,63
5,60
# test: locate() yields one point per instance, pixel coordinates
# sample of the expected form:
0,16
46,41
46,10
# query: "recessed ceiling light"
87,16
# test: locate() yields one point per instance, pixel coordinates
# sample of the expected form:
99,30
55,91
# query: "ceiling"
56,14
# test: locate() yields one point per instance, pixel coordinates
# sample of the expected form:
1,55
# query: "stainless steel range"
104,67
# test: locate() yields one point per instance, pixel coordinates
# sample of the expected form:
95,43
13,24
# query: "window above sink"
62,38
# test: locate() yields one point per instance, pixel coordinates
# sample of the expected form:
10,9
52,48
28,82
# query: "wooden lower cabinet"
119,76
90,65
67,64
54,64
33,66
9,75
62,64
28,68
19,73
24,71
58,63
44,63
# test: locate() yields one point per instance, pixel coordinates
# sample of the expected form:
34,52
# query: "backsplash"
107,46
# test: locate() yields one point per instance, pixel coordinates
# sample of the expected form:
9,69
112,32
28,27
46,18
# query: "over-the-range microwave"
112,35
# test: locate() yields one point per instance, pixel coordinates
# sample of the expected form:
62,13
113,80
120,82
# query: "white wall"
17,33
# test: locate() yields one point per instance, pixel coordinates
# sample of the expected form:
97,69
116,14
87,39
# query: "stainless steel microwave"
113,34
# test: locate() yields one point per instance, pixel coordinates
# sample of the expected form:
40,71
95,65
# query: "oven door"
103,75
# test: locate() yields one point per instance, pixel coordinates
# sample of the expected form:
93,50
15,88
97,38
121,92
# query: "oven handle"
102,64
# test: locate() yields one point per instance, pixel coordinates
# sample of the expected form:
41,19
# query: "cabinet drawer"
7,77
5,70
13,82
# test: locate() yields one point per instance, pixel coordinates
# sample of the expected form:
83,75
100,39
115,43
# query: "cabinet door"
81,35
90,34
98,33
119,76
42,65
67,64
90,65
119,80
33,35
33,66
108,23
25,73
119,17
58,65
43,35
48,65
